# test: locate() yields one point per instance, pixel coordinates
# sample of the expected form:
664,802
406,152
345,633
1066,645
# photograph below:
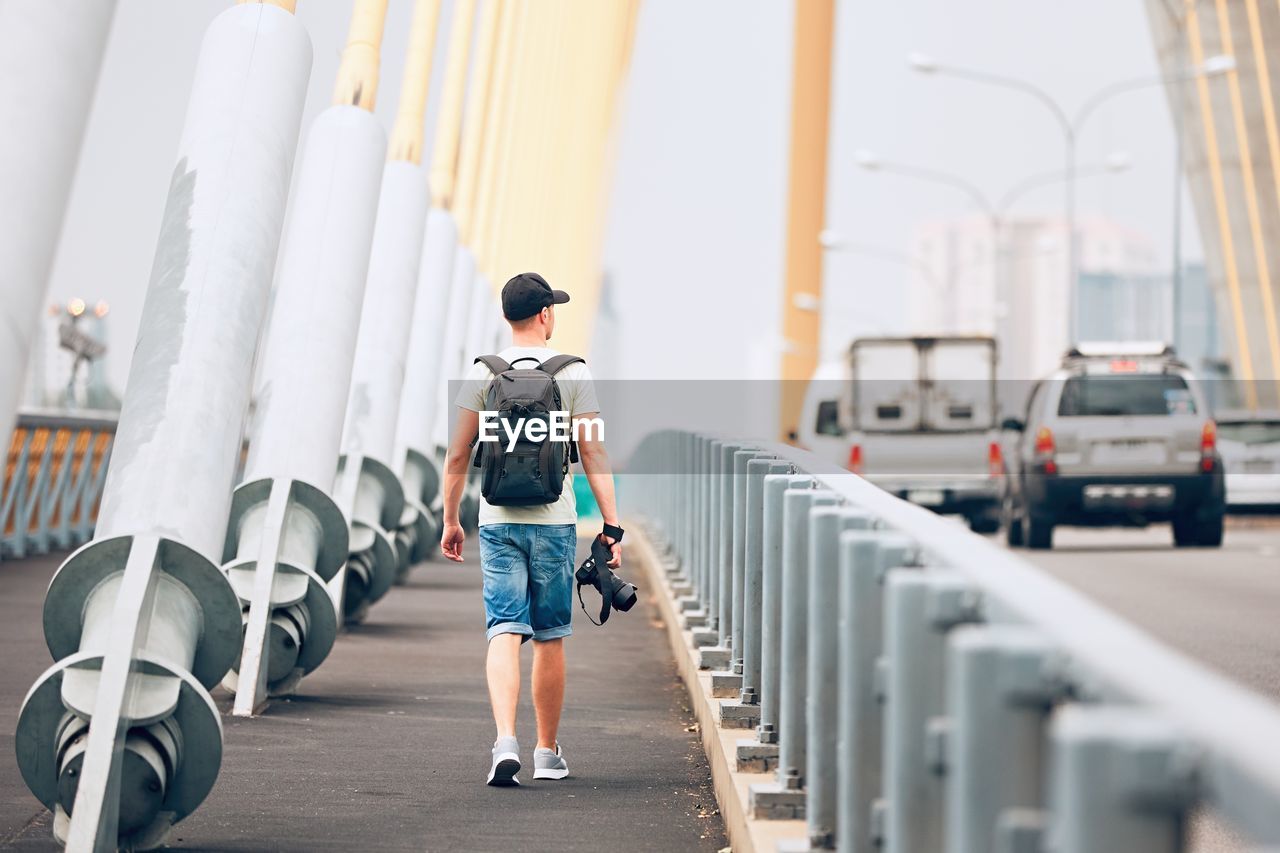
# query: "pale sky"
696,222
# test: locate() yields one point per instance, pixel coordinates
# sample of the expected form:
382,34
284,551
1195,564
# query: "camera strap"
604,608
590,570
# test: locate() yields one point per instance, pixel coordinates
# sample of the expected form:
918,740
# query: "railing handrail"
29,418
1236,729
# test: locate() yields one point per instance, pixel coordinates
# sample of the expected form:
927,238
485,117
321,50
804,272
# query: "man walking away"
527,551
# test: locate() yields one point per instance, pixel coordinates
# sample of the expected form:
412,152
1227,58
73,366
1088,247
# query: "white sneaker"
506,763
549,764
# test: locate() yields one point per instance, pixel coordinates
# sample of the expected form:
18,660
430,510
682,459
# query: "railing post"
753,582
1002,683
1121,779
822,680
727,675
740,461
686,519
694,567
785,798
866,557
744,710
710,633
775,489
922,606
698,612
716,657
724,559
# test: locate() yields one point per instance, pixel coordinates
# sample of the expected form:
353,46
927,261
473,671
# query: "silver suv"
1118,435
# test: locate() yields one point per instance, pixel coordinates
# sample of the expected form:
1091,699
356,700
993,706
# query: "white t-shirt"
578,395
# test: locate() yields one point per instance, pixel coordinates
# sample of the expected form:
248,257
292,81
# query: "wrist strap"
614,532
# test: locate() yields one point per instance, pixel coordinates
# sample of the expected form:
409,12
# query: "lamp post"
1070,126
995,211
833,241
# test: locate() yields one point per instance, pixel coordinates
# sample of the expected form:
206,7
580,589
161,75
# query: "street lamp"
832,241
996,211
1115,162
1070,125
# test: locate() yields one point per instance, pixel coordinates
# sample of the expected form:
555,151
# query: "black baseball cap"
528,293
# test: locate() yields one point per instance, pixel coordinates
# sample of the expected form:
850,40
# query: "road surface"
1219,606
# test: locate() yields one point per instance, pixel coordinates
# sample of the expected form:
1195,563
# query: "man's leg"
504,561
548,689
502,668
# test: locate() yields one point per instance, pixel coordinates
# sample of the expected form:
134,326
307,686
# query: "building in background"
1231,160
68,369
1015,288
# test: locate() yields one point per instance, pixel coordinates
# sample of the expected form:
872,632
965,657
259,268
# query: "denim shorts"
528,579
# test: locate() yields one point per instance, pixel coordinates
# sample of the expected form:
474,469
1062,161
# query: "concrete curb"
746,834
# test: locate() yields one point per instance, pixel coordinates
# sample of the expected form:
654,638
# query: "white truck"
917,416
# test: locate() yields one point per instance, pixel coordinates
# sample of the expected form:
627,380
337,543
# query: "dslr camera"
615,593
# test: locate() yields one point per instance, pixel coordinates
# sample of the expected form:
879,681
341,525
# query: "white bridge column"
288,537
421,396
369,439
301,397
52,52
120,738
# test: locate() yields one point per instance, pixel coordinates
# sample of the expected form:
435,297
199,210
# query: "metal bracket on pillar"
921,607
120,739
372,495
1003,681
1122,779
865,557
1021,831
286,540
422,510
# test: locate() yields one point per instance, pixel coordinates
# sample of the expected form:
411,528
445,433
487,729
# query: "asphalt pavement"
1220,606
386,746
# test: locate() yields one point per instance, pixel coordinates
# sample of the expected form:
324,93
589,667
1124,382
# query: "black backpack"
532,472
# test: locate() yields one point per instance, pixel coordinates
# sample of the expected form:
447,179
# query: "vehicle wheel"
1013,532
1039,533
984,524
1184,531
1209,532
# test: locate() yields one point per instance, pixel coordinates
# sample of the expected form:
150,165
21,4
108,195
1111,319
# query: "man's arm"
595,462
456,461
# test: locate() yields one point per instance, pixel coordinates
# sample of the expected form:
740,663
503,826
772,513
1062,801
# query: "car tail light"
855,458
1045,450
995,459
1208,445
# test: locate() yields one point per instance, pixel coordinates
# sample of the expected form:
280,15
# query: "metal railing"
53,478
918,688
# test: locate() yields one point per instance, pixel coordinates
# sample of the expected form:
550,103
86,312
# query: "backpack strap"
551,367
493,362
557,363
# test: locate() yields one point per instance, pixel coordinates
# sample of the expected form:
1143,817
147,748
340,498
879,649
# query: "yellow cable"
358,71
494,128
1220,206
1273,148
473,129
408,134
444,159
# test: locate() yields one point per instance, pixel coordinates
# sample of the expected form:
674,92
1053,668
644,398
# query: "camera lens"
624,597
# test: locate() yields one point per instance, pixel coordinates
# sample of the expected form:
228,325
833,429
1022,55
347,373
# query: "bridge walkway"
385,746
